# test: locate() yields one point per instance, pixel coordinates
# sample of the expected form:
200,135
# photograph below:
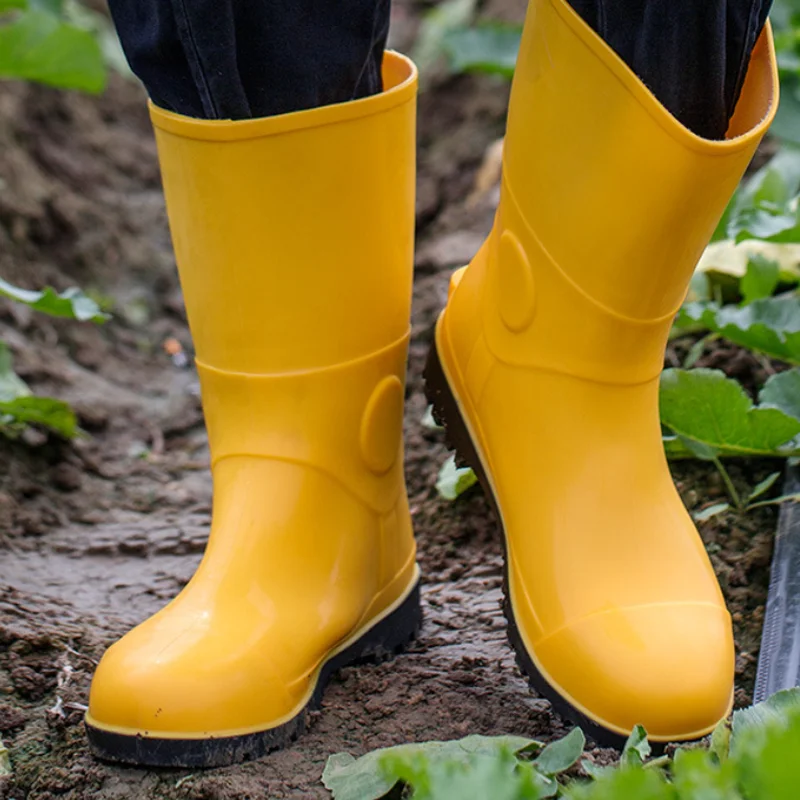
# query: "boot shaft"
621,195
293,234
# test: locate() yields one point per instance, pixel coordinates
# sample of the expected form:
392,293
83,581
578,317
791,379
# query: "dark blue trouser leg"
692,54
234,59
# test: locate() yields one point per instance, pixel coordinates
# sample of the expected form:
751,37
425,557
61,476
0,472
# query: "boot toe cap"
180,688
668,667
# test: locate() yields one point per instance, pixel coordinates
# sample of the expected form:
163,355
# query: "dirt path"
97,535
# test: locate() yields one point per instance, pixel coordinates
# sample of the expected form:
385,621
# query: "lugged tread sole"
447,414
383,641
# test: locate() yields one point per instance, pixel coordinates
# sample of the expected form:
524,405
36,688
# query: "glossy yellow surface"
294,240
553,340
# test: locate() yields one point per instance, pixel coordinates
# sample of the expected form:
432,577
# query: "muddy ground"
98,534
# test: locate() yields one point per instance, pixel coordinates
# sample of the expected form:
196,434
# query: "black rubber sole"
447,414
382,642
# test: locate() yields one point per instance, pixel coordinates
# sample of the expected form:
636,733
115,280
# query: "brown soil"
98,534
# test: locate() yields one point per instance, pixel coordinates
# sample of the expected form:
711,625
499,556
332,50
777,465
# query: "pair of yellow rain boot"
294,238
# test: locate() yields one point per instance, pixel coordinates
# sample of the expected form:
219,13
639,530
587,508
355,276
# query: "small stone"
66,477
11,717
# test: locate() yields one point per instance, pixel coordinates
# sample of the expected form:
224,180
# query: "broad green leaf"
101,28
626,784
54,7
771,224
711,511
764,486
454,481
782,391
53,414
560,755
766,757
705,407
37,46
637,748
760,279
699,777
12,5
364,778
72,303
786,125
596,771
489,47
11,385
436,24
773,709
770,325
499,777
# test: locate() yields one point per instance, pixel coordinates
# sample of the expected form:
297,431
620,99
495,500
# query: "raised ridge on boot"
301,334
545,371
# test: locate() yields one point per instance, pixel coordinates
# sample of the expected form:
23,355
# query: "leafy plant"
751,758
489,47
37,44
477,766
18,406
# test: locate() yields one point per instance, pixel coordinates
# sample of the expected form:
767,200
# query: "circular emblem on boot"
382,425
516,293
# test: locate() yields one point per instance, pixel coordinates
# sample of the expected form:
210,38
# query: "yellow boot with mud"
545,371
294,241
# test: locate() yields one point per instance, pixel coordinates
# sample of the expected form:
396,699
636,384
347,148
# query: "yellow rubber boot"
545,370
294,241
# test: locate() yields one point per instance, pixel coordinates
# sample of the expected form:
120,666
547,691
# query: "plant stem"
726,478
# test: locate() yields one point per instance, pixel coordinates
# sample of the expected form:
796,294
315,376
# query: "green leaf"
436,24
782,391
695,775
499,777
12,5
760,279
786,125
637,748
55,415
489,47
596,771
721,741
776,501
39,47
765,757
72,303
705,407
764,486
770,325
560,755
626,784
365,778
453,481
54,7
763,222
11,385
773,709
711,511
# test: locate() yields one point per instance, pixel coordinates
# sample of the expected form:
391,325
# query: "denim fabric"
234,59
692,54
